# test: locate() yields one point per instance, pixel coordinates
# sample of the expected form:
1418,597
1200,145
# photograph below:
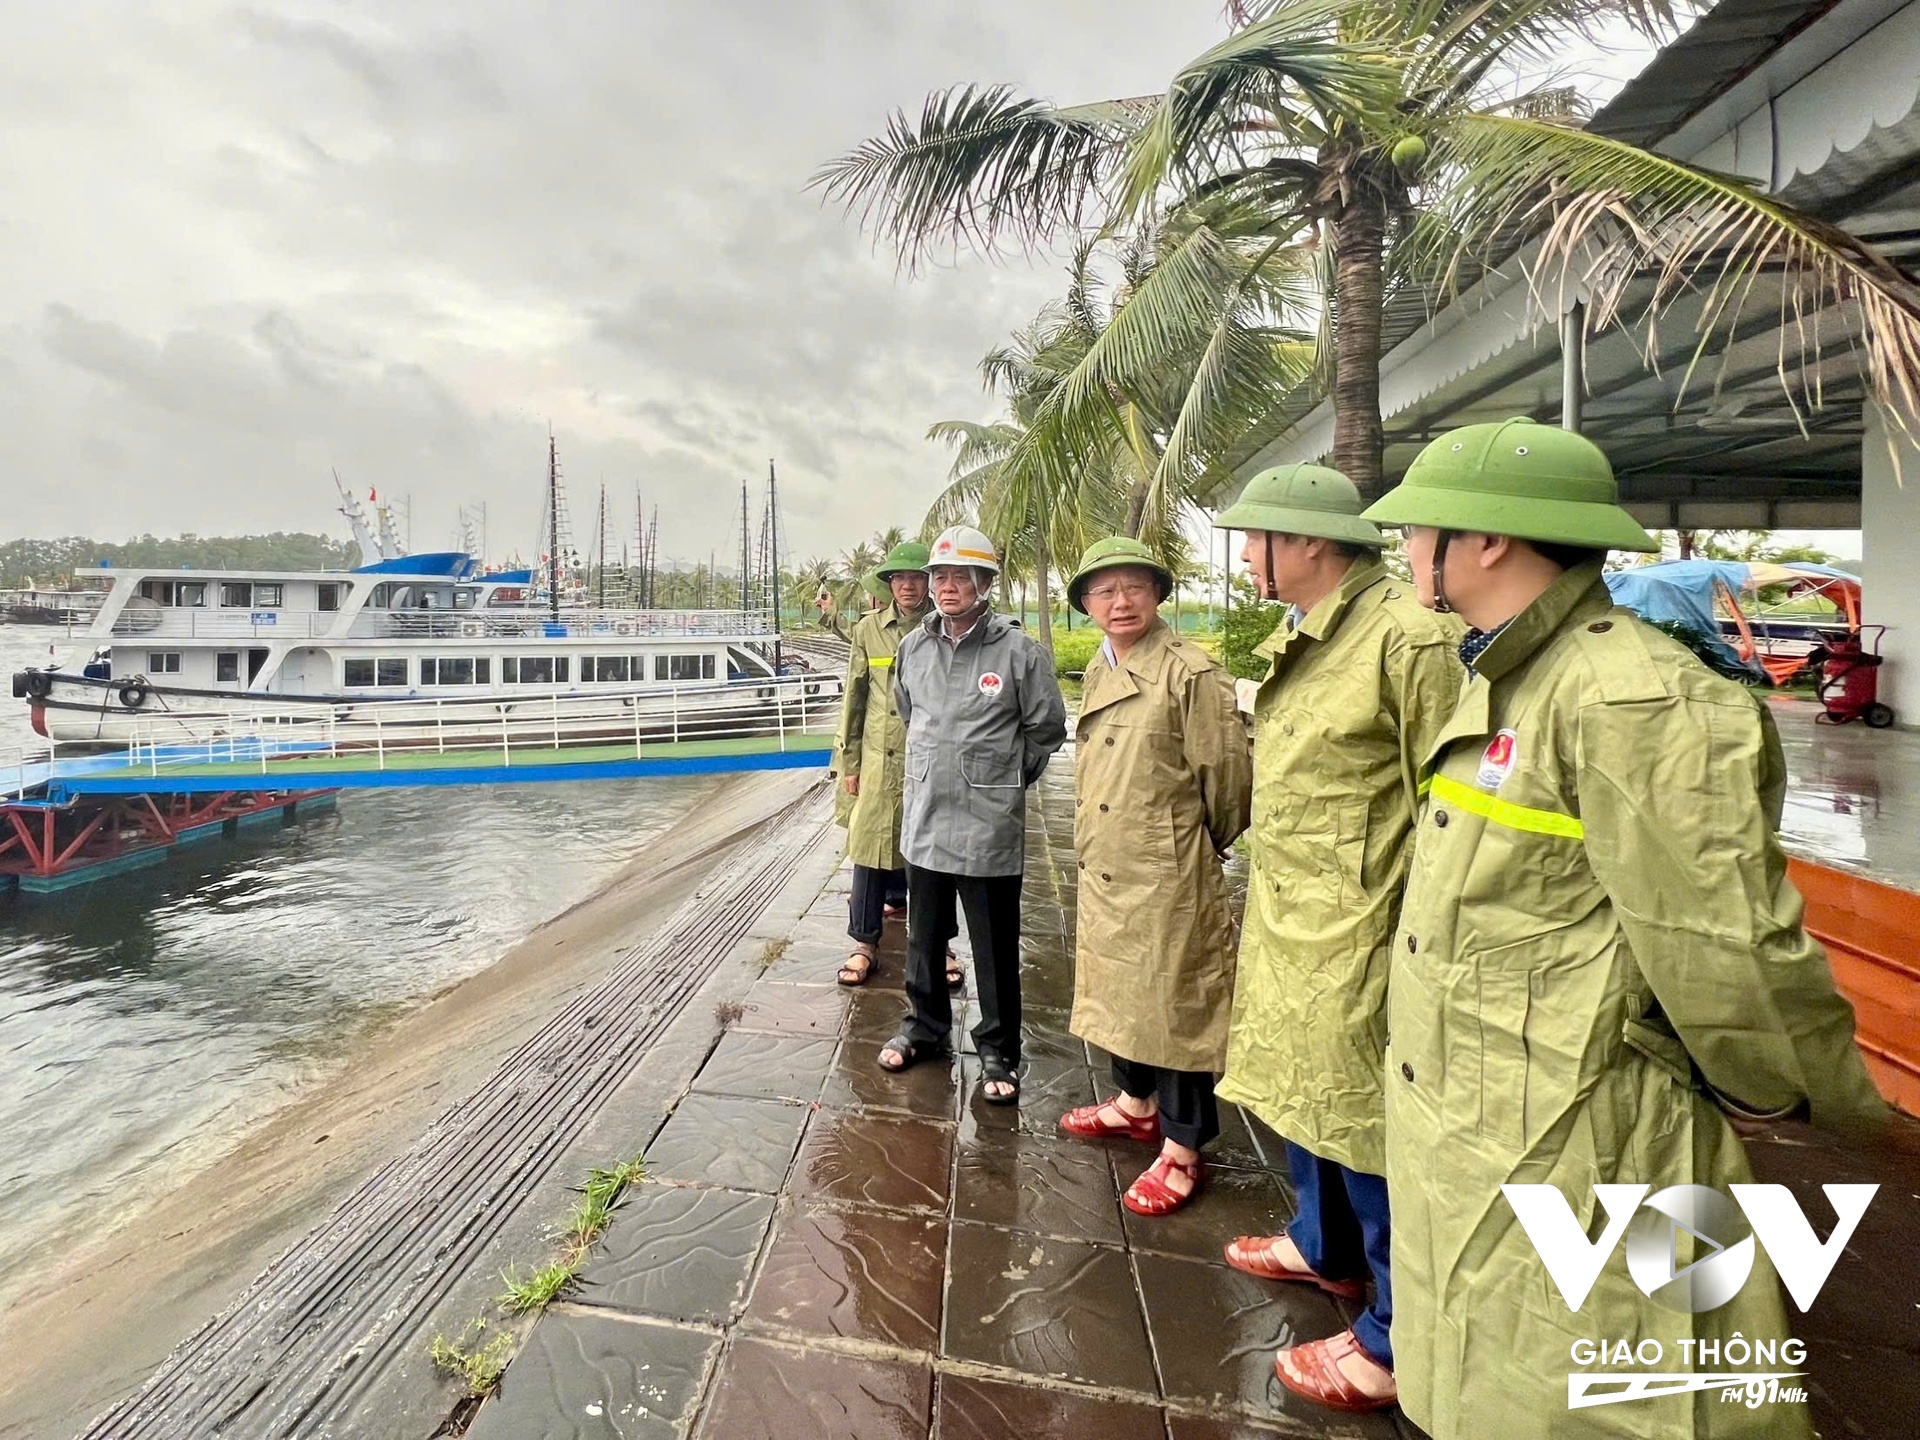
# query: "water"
148,1020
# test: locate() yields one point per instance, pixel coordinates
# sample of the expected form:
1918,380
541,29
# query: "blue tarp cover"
1681,591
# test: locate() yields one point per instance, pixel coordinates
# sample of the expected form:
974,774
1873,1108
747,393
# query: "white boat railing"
189,623
24,768
206,623
394,734
571,625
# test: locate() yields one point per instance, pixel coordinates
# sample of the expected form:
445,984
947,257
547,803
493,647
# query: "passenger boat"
71,608
429,628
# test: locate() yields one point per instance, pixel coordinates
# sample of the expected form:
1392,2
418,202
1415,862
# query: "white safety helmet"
964,545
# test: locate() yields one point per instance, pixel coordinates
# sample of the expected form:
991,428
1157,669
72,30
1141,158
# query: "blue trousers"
1343,1233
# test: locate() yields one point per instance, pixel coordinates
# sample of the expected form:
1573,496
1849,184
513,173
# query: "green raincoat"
1355,693
872,743
1162,781
1597,927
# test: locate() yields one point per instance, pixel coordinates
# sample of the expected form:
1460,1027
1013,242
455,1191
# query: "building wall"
1889,527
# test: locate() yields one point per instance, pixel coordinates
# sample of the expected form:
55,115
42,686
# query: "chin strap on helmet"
1440,543
1267,587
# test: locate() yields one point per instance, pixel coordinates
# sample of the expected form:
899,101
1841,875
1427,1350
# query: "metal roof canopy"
1757,87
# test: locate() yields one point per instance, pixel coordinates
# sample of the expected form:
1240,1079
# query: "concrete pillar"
1889,533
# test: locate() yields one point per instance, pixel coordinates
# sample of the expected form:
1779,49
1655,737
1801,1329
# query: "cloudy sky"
248,245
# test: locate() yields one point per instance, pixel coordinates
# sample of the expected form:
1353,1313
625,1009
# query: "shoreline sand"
98,1319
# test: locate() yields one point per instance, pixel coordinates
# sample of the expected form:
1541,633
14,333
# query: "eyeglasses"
1132,589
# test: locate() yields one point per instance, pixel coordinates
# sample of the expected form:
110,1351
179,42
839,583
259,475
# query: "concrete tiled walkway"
823,1249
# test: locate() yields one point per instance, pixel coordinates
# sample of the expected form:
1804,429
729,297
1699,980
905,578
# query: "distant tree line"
51,563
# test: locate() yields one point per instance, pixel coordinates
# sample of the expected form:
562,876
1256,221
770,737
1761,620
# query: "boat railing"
502,624
182,623
23,768
793,711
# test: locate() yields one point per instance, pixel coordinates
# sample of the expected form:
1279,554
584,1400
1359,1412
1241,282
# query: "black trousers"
872,890
1188,1114
992,903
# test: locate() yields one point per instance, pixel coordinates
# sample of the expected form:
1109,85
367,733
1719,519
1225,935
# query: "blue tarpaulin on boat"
1681,592
438,565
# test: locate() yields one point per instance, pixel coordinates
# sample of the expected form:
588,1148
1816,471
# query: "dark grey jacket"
982,717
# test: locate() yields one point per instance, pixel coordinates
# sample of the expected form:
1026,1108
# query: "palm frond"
1640,231
980,166
1293,69
1197,331
974,444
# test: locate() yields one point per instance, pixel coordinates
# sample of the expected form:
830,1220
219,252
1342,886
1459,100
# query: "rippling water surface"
147,1020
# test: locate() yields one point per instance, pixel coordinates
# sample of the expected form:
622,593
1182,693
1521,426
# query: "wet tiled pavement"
822,1249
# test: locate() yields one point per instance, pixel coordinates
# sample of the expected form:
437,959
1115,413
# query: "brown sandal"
956,973
1256,1258
1321,1381
853,973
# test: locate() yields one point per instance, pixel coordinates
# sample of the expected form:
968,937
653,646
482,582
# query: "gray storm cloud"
247,245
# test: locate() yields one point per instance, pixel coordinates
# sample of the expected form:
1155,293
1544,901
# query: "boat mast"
653,558
746,547
553,527
603,545
773,568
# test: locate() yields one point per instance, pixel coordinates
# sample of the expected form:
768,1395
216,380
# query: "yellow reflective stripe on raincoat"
880,662
1505,812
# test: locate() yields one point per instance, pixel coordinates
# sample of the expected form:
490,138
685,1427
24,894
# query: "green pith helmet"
907,555
1109,554
1302,500
1518,478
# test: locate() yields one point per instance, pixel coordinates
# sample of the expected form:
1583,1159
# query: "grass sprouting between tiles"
479,1366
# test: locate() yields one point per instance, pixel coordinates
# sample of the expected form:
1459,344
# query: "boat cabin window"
507,595
683,667
252,595
330,596
163,662
538,669
226,666
359,674
463,599
182,594
613,669
460,670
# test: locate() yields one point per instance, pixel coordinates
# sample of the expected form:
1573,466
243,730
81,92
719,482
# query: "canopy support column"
1573,378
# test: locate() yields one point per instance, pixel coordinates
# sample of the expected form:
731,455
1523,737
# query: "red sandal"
1256,1258
1151,1195
1320,1380
1085,1121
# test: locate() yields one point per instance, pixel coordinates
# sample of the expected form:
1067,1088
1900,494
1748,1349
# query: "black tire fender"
134,694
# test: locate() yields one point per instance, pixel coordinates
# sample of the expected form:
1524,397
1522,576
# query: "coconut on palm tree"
1382,143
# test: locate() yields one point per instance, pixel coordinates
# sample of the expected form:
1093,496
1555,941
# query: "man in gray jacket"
983,714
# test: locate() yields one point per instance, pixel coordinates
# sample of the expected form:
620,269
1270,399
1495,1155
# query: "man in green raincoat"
1598,954
869,756
1361,679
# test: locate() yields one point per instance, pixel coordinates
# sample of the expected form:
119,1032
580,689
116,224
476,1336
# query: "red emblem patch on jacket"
990,684
1497,762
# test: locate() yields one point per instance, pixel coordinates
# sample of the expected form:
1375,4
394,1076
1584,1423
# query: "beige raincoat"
1162,779
1356,692
1597,927
872,743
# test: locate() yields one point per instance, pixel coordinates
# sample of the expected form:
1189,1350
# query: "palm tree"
1390,141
